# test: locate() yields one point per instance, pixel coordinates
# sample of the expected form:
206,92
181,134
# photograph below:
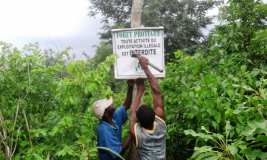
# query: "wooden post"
136,21
136,15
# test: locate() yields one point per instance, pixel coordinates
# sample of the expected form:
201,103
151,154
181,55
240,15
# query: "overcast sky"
54,24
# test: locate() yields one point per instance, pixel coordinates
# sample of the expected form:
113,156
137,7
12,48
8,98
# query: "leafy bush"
216,101
45,110
222,97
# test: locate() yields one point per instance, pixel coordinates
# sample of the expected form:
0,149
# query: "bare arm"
135,104
157,98
128,99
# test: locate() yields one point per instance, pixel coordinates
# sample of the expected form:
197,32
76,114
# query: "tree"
182,20
103,50
243,30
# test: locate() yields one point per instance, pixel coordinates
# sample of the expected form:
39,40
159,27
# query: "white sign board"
148,42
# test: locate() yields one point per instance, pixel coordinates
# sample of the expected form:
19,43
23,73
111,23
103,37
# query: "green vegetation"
216,100
44,108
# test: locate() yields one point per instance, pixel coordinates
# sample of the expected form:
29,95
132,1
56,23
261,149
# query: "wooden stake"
136,21
136,15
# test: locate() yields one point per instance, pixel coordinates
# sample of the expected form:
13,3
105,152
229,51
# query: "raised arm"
136,104
128,99
157,98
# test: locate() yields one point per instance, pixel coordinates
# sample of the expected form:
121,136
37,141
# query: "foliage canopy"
182,20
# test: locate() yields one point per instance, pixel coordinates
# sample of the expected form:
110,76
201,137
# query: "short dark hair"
145,116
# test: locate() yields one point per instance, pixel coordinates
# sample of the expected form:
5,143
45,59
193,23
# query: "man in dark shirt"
147,124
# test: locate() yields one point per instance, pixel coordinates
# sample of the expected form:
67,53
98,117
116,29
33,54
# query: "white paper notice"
148,42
